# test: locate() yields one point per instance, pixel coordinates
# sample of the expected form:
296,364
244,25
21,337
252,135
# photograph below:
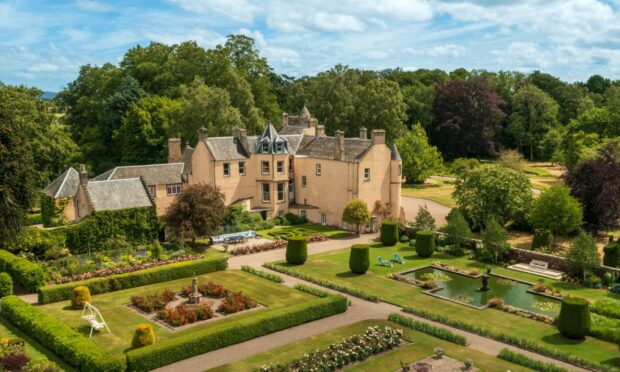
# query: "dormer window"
264,147
279,147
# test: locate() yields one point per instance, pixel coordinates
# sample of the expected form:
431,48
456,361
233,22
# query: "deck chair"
383,262
397,258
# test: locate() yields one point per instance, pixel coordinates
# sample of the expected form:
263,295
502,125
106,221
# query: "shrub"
612,254
34,219
359,258
183,314
425,243
311,290
80,295
143,336
235,302
389,232
25,273
606,308
525,361
574,319
404,239
6,285
54,293
442,333
294,219
542,239
455,250
219,335
457,229
35,240
593,281
615,288
263,274
156,250
71,346
296,250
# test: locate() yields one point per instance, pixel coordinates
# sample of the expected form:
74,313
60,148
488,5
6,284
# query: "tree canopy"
419,158
557,211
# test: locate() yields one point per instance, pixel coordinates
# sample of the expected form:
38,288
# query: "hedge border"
262,274
311,290
429,329
221,335
25,273
71,346
525,361
60,292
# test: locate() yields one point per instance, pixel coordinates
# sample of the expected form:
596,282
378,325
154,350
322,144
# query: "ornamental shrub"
359,258
523,360
296,250
6,285
25,273
612,254
574,319
80,296
35,240
425,243
143,336
404,239
543,238
389,232
615,288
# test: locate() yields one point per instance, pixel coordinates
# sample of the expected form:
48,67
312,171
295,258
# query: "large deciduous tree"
468,116
419,158
380,105
557,211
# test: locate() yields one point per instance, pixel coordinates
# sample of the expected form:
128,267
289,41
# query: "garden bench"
538,267
537,264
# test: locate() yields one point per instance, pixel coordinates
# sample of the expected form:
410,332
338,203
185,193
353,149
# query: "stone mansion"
297,170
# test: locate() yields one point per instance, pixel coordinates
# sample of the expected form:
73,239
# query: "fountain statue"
194,297
485,281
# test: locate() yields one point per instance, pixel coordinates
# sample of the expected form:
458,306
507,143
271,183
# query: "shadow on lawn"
558,339
348,274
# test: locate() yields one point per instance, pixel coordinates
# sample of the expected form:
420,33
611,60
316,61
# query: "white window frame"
279,147
304,181
323,218
242,168
366,174
280,166
264,147
226,169
266,193
152,190
265,167
283,198
317,169
174,189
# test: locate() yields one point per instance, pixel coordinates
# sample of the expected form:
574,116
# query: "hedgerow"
528,362
60,292
25,273
311,290
442,333
263,274
221,335
72,347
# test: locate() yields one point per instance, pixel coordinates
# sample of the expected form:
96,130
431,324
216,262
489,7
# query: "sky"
44,43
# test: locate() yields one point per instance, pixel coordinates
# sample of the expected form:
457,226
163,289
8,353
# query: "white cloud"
93,6
238,10
447,50
337,22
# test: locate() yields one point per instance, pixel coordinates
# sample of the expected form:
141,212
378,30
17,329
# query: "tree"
424,219
512,159
596,184
493,192
380,105
468,116
419,158
557,211
576,147
582,256
534,112
356,213
197,211
598,120
457,228
495,241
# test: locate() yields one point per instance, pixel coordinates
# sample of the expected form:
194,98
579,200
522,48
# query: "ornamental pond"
466,289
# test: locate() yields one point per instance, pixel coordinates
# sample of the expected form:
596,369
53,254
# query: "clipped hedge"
263,274
6,285
60,292
543,238
608,308
296,250
217,336
612,254
359,258
441,333
311,290
574,319
71,346
80,296
143,336
25,273
425,243
389,232
525,361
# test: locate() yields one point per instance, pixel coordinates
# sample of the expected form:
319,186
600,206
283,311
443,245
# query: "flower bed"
13,357
249,249
153,302
317,237
357,348
235,302
183,314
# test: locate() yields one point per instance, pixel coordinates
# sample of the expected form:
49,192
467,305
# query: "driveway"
411,205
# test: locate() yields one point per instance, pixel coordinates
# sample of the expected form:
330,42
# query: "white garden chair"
93,317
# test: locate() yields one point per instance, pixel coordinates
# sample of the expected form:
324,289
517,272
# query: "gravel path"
411,205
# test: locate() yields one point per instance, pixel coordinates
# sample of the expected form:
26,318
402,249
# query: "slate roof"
118,194
65,185
292,129
395,153
153,174
323,148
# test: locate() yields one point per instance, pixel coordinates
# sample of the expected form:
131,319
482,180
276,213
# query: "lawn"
437,190
123,321
304,230
333,266
421,346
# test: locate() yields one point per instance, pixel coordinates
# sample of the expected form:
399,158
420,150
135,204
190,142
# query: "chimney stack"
363,133
202,134
320,130
284,119
241,136
314,122
339,146
83,175
378,137
174,150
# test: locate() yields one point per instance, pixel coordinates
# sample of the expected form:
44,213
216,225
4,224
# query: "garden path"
411,205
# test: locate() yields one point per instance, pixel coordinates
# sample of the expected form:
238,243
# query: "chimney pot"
378,136
202,134
320,130
284,119
363,133
339,146
83,175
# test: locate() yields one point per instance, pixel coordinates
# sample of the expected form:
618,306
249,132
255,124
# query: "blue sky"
43,43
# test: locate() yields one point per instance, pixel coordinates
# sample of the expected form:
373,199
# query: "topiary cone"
143,335
80,295
425,243
296,250
359,258
574,319
389,232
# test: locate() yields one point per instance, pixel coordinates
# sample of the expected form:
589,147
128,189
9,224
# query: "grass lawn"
303,230
421,346
123,321
34,350
334,266
439,191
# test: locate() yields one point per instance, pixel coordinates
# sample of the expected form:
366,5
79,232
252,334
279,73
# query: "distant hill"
49,95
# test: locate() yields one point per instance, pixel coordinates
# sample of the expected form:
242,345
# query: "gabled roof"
292,129
118,194
228,148
153,174
65,185
323,148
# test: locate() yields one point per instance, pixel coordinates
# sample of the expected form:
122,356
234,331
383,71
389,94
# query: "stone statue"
194,297
485,281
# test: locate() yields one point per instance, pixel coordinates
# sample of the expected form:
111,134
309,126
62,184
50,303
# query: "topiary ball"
359,258
6,285
296,250
389,232
574,319
425,243
80,295
143,335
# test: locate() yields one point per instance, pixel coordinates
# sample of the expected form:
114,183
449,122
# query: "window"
264,147
323,219
318,169
266,193
290,166
280,167
303,181
281,192
242,168
280,213
152,190
400,169
173,189
302,214
366,174
226,169
265,167
279,147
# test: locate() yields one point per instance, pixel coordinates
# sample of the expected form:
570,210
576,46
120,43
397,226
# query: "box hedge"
217,336
6,285
25,273
296,250
389,232
359,258
574,319
425,243
612,254
60,292
71,346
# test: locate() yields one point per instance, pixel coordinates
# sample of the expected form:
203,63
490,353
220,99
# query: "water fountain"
485,281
